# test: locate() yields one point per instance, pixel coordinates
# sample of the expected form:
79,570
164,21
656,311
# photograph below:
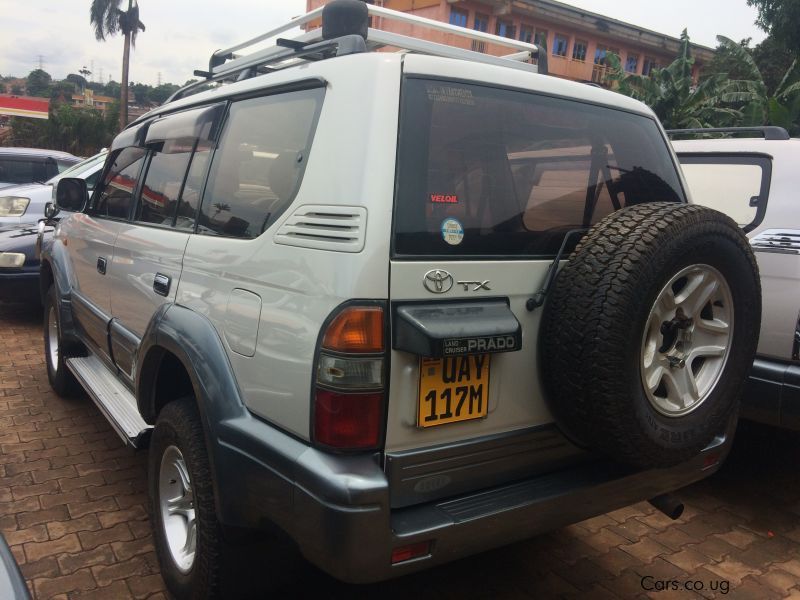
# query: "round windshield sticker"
452,231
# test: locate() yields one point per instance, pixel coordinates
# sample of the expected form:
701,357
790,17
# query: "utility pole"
41,62
159,79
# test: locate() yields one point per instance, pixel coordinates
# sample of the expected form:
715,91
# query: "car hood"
21,238
23,190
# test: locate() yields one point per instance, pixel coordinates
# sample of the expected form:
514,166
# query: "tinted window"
258,165
115,195
163,182
193,188
735,185
23,170
489,172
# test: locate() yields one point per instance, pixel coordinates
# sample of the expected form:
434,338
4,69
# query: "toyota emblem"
437,281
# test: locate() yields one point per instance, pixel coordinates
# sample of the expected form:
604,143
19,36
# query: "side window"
115,195
259,163
163,182
735,185
193,188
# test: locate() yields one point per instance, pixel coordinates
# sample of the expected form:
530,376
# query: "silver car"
25,203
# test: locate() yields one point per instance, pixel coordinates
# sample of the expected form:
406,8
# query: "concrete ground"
73,509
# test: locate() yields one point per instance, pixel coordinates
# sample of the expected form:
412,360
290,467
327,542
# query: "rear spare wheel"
650,331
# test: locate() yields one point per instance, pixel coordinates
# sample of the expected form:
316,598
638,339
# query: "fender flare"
193,339
53,259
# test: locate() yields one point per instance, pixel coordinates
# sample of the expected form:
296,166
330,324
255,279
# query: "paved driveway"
73,509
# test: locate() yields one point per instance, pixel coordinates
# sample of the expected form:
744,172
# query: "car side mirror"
50,211
72,194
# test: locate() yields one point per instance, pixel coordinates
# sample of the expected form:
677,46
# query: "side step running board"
113,399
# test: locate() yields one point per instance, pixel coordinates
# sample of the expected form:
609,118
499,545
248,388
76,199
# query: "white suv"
325,295
755,181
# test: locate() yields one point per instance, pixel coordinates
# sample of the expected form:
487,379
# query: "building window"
601,53
579,50
526,34
458,17
506,29
648,66
632,64
560,43
481,22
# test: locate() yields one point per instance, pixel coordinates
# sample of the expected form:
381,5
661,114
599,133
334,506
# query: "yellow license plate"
453,389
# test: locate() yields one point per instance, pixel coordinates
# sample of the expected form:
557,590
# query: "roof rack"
318,44
767,132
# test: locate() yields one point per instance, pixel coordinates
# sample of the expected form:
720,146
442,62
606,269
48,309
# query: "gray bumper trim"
337,508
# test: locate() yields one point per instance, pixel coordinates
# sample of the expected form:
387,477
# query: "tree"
39,83
780,19
773,61
107,19
758,105
78,80
2,88
672,94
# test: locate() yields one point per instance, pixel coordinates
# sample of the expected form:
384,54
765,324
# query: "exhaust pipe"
668,504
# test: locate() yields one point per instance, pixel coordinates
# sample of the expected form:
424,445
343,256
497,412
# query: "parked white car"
324,293
755,181
25,203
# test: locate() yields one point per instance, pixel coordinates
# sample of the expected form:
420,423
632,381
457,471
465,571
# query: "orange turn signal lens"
356,329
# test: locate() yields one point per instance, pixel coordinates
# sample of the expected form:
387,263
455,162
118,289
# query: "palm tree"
759,107
107,19
673,95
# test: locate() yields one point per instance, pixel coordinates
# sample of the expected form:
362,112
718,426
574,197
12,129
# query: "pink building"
577,40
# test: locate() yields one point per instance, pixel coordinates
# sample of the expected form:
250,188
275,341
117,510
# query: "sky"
181,35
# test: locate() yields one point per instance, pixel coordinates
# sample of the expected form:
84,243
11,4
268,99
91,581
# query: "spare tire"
650,331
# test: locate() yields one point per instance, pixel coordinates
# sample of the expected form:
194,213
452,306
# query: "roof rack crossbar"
225,63
472,34
225,60
379,38
769,132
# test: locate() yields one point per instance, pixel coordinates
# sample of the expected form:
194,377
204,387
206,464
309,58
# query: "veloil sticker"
452,231
444,198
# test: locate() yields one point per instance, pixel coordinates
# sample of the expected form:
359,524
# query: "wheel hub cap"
687,340
176,502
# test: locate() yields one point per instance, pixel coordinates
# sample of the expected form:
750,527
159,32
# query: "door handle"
101,265
161,284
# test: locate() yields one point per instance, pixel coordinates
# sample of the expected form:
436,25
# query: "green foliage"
108,19
2,88
81,132
733,91
752,95
780,18
39,83
672,95
773,61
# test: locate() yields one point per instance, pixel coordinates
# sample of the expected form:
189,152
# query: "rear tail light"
349,392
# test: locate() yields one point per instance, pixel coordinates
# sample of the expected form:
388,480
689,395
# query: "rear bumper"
337,510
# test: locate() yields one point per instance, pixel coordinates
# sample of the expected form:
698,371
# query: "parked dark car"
19,265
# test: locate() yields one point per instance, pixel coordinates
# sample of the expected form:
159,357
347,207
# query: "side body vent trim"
324,227
782,241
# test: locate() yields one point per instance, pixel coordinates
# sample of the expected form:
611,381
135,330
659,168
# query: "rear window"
737,185
493,172
25,170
